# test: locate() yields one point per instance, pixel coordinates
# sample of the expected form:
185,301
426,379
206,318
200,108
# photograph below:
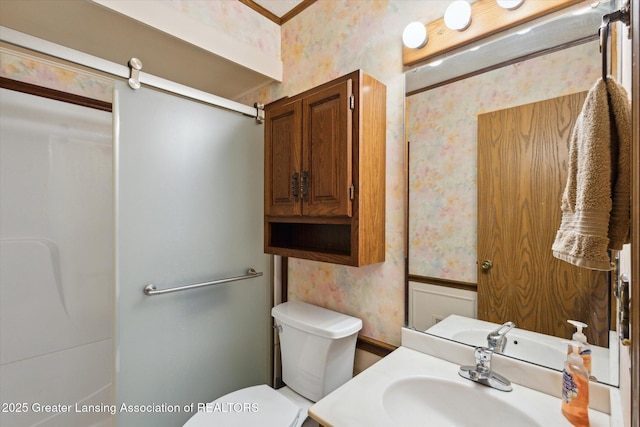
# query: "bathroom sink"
541,349
520,347
438,402
410,388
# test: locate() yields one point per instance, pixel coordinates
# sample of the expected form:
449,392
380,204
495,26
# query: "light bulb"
510,4
414,35
457,17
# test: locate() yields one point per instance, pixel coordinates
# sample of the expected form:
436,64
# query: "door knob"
487,265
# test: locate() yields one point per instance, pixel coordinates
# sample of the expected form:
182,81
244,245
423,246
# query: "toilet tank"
317,346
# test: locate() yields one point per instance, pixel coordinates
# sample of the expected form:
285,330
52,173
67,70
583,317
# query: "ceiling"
88,27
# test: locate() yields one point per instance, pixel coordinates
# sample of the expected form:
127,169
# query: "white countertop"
359,402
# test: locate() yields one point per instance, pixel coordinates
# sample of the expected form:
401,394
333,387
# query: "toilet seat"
252,406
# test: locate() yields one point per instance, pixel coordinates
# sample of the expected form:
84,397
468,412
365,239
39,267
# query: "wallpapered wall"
332,38
38,71
327,40
442,124
228,16
234,19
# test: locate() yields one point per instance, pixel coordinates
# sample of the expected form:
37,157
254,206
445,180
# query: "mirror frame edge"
635,215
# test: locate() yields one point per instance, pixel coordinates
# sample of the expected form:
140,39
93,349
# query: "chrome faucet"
497,340
482,373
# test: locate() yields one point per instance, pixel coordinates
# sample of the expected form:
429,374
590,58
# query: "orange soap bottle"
575,389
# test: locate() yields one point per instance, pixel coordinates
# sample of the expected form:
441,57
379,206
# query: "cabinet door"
283,150
327,157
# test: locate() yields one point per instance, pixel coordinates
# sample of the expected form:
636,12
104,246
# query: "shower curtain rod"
52,49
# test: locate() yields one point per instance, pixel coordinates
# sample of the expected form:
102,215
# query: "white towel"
596,201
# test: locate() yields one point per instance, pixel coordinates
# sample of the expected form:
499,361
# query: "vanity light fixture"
457,17
436,63
510,4
415,36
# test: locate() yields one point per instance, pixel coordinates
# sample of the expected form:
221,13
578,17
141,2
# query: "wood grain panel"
522,171
283,153
370,181
327,157
343,147
275,18
373,346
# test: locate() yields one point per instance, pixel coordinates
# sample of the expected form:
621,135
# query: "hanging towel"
596,201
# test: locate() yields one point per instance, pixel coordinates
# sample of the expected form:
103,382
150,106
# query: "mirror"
557,57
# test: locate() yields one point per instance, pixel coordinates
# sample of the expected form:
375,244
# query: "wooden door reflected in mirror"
523,155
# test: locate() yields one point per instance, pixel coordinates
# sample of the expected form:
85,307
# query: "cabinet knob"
487,265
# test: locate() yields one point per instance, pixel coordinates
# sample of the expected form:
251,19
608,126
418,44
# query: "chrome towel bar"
150,289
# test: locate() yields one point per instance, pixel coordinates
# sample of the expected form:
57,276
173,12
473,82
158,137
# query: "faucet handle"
496,339
501,330
483,359
482,372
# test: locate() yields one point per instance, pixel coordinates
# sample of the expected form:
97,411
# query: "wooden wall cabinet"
325,172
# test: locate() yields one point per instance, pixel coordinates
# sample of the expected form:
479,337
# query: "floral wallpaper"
41,72
332,38
327,40
442,125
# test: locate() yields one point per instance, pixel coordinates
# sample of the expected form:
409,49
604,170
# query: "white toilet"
317,348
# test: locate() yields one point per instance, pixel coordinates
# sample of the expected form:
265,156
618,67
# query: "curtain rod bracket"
259,112
135,65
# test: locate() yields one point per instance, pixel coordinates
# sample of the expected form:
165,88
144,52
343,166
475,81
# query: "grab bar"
150,289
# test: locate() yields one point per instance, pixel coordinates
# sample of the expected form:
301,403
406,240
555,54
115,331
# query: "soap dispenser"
584,349
575,389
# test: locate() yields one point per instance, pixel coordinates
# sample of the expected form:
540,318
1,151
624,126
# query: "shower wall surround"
56,258
61,335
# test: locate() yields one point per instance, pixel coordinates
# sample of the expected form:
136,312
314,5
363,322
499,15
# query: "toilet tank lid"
316,320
